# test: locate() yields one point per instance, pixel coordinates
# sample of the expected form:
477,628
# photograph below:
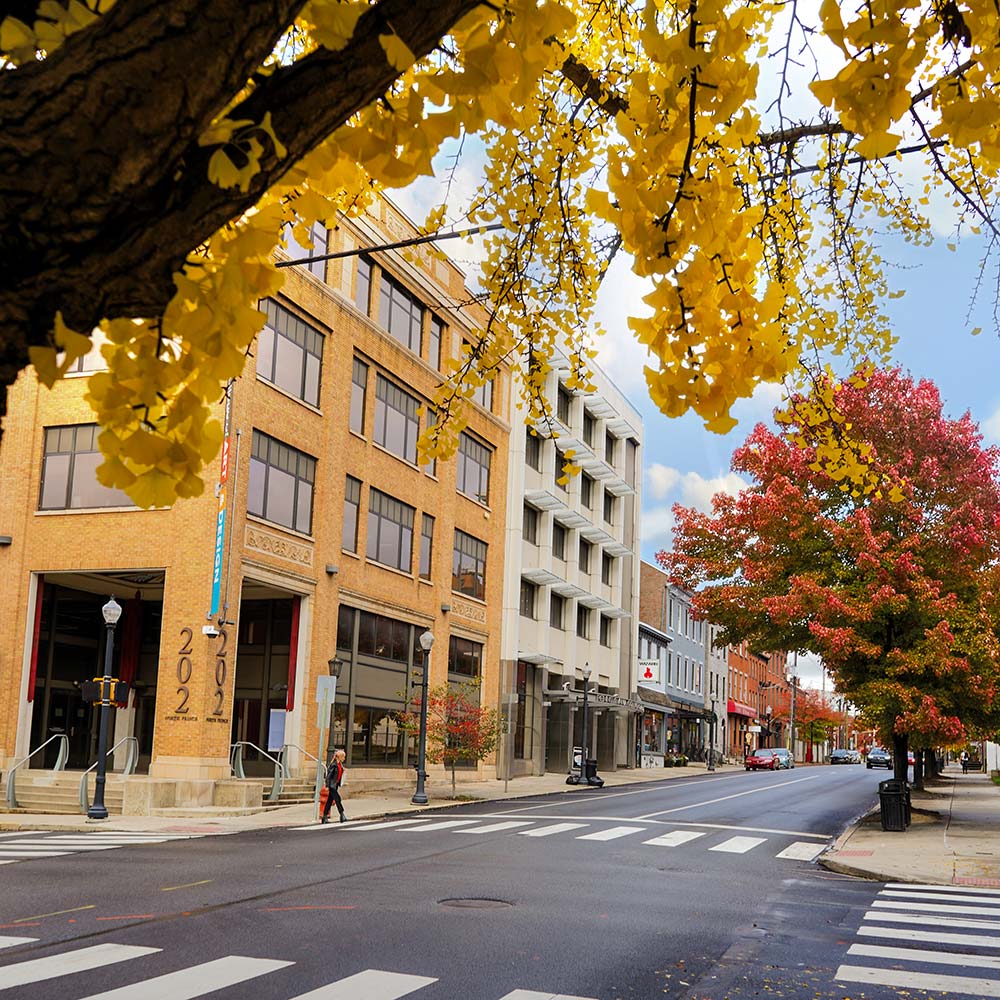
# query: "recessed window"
390,531
560,472
557,608
607,568
468,568
530,524
280,488
558,540
69,471
483,395
586,549
296,251
430,419
473,477
605,630
434,346
290,353
400,313
609,507
93,360
359,392
586,491
610,447
589,427
533,451
583,621
396,424
426,546
562,405
363,289
529,594
352,505
465,657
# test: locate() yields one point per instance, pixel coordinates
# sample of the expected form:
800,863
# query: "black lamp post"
581,778
112,611
711,738
426,640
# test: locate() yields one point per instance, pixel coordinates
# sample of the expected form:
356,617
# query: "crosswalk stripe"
922,955
947,897
23,855
613,833
43,845
385,826
548,831
195,981
912,918
19,833
372,984
83,959
445,824
738,845
674,839
919,980
534,995
937,937
801,851
977,890
497,827
96,838
982,911
13,942
8,861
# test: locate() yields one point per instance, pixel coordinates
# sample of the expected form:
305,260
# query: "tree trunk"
900,745
930,764
452,779
918,770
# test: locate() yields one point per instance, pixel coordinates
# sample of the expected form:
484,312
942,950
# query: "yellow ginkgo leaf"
397,52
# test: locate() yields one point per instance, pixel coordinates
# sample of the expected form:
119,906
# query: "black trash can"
591,773
894,803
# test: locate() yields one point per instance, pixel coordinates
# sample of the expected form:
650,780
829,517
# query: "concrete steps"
59,792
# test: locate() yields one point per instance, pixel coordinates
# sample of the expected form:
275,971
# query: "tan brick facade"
196,674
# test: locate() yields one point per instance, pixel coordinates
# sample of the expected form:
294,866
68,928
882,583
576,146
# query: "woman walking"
334,779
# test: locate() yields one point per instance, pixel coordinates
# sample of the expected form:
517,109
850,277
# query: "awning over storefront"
737,708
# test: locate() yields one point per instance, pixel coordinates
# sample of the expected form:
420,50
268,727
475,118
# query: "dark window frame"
391,397
79,434
607,568
471,468
352,512
469,563
583,616
299,336
557,611
305,467
528,599
359,396
384,509
560,536
533,451
321,245
529,524
426,546
395,296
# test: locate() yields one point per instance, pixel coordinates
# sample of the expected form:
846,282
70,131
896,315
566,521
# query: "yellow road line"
187,885
91,906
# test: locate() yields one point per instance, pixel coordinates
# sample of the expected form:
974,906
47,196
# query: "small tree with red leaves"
459,728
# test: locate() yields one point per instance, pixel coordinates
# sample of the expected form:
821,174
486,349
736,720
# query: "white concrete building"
571,579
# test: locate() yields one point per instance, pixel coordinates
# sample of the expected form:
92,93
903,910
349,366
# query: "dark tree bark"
918,770
900,747
104,190
931,764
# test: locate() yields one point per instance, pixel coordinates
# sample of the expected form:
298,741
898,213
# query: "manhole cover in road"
475,904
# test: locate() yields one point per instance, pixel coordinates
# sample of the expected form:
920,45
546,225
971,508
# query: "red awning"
736,708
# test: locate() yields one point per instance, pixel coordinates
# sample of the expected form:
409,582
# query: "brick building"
759,697
338,544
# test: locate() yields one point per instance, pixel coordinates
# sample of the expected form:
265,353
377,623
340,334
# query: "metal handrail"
131,760
320,769
61,759
236,764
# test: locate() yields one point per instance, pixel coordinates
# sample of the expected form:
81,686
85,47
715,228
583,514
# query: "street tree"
895,589
815,718
744,154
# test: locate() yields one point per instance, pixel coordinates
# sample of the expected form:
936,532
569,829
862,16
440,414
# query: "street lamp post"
112,611
581,778
426,640
711,738
326,698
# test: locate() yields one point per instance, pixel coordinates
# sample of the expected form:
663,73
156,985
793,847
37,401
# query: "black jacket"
334,774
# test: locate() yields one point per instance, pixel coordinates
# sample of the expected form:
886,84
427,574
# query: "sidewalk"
367,805
952,839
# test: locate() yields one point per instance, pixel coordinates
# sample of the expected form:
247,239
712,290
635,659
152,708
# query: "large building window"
562,405
558,540
607,568
557,609
352,504
529,593
586,491
609,507
560,474
582,621
426,546
586,548
473,468
434,346
296,251
468,568
69,471
589,424
530,524
290,353
465,657
533,451
401,313
359,393
364,285
605,630
280,488
396,425
610,447
390,531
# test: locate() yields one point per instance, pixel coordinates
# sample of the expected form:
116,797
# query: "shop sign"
649,673
753,729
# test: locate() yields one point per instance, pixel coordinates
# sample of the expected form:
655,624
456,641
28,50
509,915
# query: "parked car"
763,759
785,759
909,757
841,756
878,757
855,756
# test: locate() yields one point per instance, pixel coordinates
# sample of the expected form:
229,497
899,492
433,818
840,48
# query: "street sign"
326,689
753,729
649,672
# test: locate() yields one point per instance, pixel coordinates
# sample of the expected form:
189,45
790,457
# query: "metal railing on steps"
320,769
60,765
236,765
131,759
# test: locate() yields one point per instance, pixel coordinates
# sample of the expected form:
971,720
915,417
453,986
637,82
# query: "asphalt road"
698,888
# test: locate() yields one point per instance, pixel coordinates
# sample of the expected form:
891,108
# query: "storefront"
742,738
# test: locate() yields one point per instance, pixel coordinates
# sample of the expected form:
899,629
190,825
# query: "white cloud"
991,426
657,528
662,479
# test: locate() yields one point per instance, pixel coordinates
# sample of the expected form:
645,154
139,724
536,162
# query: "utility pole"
791,713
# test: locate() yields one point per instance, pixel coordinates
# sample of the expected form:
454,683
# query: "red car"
765,758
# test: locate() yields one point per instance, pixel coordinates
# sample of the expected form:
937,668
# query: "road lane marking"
935,937
446,824
674,839
739,845
497,827
43,845
613,833
912,918
711,802
534,995
196,981
57,913
946,897
801,852
37,970
32,853
547,831
922,955
13,942
942,888
372,984
981,911
187,885
918,981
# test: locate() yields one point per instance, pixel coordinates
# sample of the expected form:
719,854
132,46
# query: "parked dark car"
841,757
877,757
764,759
785,759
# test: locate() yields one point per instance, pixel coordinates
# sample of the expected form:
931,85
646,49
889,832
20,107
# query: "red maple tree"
897,590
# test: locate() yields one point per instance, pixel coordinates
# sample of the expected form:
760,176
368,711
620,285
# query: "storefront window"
652,732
